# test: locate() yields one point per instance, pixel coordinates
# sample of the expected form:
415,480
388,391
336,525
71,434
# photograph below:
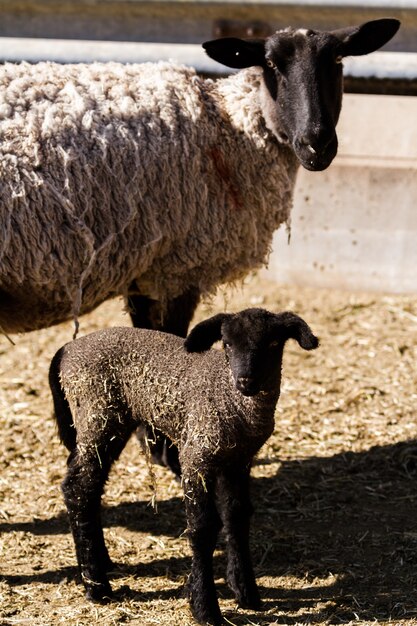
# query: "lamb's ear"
293,327
204,334
367,37
236,53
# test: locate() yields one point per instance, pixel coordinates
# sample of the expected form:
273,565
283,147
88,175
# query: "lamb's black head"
254,341
302,92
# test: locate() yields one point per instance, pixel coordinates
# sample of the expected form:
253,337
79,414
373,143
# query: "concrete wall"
354,226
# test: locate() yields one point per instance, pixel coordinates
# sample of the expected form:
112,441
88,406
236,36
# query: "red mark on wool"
224,173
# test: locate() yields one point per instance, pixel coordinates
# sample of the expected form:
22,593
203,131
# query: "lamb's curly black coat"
217,407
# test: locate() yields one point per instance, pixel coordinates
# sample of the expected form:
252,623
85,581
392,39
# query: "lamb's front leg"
203,525
234,506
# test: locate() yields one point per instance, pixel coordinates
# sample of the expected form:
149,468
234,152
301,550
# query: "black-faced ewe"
217,407
151,182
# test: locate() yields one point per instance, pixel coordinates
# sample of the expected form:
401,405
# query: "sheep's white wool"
118,173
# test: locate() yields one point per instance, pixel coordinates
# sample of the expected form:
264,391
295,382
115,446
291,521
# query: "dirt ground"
334,537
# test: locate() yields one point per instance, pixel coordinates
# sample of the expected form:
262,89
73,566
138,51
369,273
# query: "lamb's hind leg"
68,437
88,469
174,318
233,503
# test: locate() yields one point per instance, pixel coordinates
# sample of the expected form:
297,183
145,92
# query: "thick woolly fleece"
116,377
115,173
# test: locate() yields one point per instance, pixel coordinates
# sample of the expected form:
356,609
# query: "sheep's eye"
339,59
227,345
271,64
274,344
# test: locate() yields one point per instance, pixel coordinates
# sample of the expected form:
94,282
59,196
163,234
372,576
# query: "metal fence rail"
148,30
381,72
193,21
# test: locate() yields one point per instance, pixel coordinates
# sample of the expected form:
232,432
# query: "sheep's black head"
302,91
254,341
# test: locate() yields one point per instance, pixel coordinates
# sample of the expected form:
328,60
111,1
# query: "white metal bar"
380,65
81,51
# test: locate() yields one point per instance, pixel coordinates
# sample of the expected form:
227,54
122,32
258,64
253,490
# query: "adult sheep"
151,182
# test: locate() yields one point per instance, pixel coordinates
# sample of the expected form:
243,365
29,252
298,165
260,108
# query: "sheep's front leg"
233,503
203,527
173,318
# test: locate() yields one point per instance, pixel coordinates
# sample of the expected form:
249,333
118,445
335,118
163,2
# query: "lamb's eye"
227,345
271,64
274,344
339,59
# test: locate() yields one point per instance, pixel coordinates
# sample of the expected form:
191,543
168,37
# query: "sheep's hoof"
253,604
99,593
250,600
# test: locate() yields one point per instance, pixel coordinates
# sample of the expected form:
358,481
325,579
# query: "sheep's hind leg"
203,525
233,503
82,488
174,318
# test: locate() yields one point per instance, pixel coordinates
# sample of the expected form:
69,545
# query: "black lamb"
217,407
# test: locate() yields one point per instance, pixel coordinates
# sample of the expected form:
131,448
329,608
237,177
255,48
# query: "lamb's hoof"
210,621
207,617
99,593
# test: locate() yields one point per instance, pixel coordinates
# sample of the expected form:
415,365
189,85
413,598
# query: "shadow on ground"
342,527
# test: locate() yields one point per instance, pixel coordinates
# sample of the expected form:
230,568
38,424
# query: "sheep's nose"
246,385
315,143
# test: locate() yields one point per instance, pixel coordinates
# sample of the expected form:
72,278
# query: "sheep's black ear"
293,327
204,334
236,53
367,37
